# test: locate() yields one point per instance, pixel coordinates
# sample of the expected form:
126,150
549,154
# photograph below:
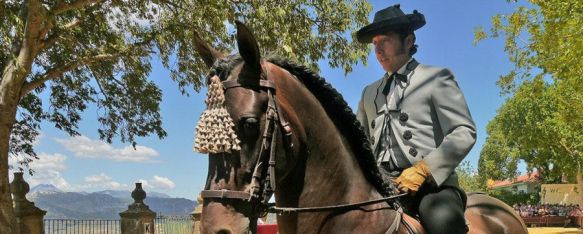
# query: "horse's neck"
331,175
331,167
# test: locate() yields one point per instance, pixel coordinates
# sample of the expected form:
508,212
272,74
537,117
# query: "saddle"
412,225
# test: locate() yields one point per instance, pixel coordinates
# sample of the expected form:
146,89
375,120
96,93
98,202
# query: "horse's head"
237,131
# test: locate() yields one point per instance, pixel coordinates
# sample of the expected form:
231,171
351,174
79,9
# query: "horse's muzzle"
223,219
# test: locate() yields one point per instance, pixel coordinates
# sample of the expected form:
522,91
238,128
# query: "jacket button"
372,139
403,116
372,125
413,152
407,135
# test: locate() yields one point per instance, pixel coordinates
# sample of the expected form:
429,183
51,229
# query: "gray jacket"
428,115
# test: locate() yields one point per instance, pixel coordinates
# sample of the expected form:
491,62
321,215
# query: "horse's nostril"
224,231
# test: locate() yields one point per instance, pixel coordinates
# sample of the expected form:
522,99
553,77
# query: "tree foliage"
469,178
542,119
512,198
98,52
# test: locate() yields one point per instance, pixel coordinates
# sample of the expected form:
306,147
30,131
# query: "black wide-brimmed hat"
388,19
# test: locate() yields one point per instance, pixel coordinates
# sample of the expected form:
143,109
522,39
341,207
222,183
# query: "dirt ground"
555,230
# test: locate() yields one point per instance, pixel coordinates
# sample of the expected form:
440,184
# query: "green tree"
511,198
98,52
469,178
542,119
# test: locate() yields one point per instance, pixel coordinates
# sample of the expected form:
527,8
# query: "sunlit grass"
554,230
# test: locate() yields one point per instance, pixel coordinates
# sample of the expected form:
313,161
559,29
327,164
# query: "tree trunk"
580,186
10,87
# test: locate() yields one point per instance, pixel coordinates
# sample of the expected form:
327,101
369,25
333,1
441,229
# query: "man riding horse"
418,122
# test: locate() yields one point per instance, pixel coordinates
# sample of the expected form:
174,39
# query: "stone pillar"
29,218
138,219
195,215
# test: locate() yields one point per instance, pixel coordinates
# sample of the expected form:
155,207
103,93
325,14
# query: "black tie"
387,87
400,77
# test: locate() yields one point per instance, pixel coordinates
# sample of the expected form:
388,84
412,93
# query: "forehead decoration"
214,131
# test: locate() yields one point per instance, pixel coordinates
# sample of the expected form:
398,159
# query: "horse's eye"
250,123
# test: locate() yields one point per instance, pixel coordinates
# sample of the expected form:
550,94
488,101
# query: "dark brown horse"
324,160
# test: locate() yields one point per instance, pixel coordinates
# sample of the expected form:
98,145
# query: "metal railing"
70,226
163,225
174,225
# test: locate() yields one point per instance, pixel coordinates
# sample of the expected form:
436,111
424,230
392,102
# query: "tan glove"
413,177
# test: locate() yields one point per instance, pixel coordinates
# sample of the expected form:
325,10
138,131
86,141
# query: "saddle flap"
412,225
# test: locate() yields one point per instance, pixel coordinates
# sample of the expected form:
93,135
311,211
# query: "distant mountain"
124,194
171,206
45,188
72,205
104,204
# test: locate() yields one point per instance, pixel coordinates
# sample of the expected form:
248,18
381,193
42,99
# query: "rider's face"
391,51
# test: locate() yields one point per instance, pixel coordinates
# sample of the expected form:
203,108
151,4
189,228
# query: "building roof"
526,178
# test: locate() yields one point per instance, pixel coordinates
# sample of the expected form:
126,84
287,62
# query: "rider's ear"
208,54
248,48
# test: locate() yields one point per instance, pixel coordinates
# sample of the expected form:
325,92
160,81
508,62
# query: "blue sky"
169,165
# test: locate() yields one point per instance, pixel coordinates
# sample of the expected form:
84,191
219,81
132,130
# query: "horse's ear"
209,55
248,48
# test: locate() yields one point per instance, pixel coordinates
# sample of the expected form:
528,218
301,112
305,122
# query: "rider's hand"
413,177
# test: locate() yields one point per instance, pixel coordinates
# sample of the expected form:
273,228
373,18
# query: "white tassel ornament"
214,131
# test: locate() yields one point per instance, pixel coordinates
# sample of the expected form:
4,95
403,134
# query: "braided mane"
334,105
341,114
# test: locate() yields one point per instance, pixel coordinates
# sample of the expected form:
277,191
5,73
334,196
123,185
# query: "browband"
235,83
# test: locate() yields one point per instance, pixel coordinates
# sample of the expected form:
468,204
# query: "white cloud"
49,162
47,170
84,147
103,181
157,182
162,182
145,184
93,179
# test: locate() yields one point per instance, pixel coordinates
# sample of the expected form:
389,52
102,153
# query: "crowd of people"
548,210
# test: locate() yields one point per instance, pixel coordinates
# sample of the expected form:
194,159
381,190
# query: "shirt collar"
401,70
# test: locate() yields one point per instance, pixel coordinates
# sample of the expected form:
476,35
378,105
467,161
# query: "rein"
263,180
350,206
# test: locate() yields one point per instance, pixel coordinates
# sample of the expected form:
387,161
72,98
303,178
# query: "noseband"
263,179
263,182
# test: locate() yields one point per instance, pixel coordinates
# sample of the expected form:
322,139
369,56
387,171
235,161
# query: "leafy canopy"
99,52
542,120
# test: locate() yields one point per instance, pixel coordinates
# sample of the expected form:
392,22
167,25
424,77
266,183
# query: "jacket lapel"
380,100
401,82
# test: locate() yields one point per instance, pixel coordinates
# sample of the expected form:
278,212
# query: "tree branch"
59,71
572,153
55,37
98,81
2,9
62,7
26,50
50,23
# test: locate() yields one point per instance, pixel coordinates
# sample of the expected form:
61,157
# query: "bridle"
263,183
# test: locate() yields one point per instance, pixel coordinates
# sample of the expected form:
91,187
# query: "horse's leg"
490,215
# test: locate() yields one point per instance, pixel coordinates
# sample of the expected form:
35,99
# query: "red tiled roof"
532,177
